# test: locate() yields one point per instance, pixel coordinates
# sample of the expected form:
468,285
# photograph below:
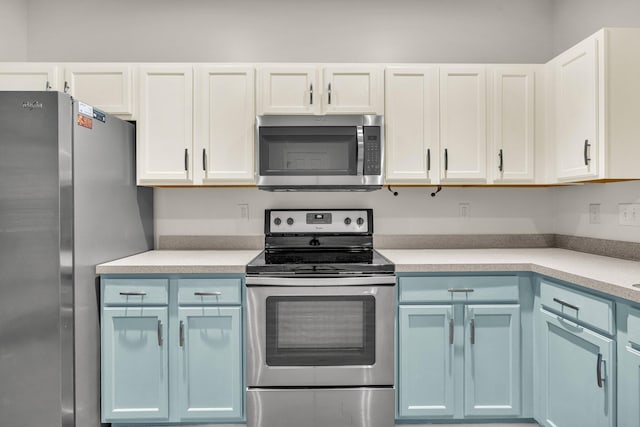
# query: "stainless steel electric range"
320,323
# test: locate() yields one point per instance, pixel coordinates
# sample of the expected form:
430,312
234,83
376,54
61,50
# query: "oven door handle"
389,280
360,152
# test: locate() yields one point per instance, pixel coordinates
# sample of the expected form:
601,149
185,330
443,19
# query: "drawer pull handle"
461,290
133,294
566,304
159,333
473,331
207,294
599,370
181,333
450,331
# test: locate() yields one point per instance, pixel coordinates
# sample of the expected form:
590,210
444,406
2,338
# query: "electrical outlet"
243,210
464,210
629,214
594,213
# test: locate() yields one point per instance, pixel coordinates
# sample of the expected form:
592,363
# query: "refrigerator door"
33,360
113,219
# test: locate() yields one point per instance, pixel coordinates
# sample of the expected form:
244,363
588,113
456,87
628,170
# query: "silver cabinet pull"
446,159
451,331
207,294
501,164
461,290
473,331
204,159
329,91
159,333
586,152
428,159
599,378
133,294
186,159
311,94
66,87
181,333
566,304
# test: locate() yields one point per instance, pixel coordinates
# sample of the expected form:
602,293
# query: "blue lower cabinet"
575,365
628,366
492,385
210,363
135,376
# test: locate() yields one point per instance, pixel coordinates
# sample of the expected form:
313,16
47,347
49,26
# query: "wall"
13,30
290,30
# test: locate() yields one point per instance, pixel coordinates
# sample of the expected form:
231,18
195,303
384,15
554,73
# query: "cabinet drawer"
446,289
633,326
209,291
579,306
136,291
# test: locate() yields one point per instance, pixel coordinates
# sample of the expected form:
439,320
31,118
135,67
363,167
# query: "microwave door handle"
360,152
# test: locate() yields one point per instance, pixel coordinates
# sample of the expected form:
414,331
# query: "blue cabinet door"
492,360
628,366
135,364
576,369
426,364
210,363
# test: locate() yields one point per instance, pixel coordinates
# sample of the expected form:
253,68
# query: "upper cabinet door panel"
411,100
225,125
514,124
577,111
463,115
289,90
353,90
28,76
108,87
165,125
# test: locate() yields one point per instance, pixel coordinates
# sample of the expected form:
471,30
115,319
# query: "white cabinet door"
289,89
108,87
353,89
28,76
575,73
165,125
412,133
225,124
463,115
513,122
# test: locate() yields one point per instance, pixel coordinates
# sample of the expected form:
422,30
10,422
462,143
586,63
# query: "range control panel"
318,221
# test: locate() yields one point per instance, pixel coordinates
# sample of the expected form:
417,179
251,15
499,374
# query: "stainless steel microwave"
320,153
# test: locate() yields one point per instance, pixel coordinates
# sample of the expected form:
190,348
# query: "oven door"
314,335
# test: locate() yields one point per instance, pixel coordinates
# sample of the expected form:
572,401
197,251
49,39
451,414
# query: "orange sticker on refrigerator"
85,121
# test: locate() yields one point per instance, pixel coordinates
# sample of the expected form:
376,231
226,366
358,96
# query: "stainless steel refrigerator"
68,201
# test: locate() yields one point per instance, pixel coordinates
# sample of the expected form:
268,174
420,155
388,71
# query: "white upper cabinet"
28,76
597,87
108,87
225,124
412,148
312,89
165,125
512,124
463,124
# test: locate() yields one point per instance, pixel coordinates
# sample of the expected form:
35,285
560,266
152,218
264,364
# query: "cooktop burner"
314,242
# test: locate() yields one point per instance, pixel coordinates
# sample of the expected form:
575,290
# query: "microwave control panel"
372,150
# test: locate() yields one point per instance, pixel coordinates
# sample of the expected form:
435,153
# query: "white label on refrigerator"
85,109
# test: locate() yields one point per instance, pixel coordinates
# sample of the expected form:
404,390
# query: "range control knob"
347,221
290,221
277,221
360,221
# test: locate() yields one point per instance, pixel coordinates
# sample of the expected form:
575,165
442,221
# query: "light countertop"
609,275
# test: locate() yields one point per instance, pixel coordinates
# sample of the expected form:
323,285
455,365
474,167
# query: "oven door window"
320,331
308,151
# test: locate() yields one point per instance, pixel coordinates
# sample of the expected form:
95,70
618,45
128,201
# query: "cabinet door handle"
329,92
501,165
599,378
451,331
186,159
204,159
460,290
446,159
473,331
66,87
47,85
428,159
159,333
133,294
311,94
586,152
566,304
181,333
207,294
